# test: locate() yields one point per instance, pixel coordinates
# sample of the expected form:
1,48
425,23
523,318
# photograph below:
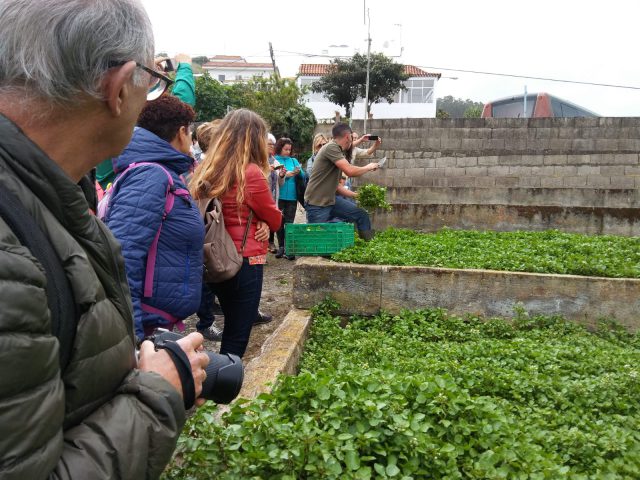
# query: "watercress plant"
542,252
425,394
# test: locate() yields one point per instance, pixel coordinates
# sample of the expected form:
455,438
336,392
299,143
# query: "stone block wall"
574,174
591,153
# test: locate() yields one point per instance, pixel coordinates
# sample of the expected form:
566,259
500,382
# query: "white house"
418,101
232,69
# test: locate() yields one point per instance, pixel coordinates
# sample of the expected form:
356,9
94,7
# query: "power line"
577,82
530,77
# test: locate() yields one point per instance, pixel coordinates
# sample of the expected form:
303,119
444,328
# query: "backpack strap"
170,194
64,312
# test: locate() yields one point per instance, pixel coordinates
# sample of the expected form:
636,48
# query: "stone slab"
482,292
280,354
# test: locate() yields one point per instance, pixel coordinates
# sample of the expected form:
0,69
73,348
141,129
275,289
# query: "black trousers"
288,209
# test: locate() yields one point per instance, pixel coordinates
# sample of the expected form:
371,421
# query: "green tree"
201,60
212,98
278,102
456,107
345,81
442,114
473,112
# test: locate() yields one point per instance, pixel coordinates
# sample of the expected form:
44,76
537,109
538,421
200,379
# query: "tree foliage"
473,112
456,107
345,81
212,98
201,60
278,101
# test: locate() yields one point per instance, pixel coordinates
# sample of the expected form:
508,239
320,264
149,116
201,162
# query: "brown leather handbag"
220,256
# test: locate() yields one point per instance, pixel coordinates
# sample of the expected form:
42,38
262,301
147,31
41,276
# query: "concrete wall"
365,289
509,218
586,165
596,153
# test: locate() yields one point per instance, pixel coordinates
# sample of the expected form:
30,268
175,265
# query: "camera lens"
225,374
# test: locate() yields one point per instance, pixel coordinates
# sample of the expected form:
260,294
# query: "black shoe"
280,253
262,318
212,333
290,257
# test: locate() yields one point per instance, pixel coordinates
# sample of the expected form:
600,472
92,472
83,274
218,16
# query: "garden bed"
536,252
471,287
430,395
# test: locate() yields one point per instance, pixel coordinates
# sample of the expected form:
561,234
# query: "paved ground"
276,300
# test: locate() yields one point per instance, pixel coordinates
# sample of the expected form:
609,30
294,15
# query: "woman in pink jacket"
235,170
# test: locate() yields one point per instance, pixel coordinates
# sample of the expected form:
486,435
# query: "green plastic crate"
317,239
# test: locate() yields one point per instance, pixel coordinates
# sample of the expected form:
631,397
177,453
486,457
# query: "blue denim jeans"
239,298
342,210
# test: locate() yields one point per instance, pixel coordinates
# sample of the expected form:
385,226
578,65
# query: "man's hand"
262,232
373,166
160,362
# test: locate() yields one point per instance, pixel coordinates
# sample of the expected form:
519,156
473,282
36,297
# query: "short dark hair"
339,129
165,116
281,143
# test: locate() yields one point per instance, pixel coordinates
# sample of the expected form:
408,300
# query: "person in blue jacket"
153,216
287,201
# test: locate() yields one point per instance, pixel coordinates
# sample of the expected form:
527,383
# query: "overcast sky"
588,41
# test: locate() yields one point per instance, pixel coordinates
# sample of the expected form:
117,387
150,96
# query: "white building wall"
323,109
231,74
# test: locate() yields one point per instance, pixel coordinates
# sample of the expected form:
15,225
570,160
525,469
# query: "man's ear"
116,87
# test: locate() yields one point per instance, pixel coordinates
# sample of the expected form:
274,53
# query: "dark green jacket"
100,418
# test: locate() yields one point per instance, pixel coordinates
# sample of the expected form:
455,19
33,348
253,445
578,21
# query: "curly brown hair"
165,116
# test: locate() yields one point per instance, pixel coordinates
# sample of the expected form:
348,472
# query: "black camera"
225,372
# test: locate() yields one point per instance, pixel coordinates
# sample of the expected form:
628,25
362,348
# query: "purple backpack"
171,193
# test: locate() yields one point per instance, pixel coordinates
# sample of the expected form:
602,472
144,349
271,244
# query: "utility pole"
276,72
366,97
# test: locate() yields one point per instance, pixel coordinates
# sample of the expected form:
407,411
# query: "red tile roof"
226,57
319,69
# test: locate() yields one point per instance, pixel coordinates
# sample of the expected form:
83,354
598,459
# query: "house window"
221,78
418,90
238,78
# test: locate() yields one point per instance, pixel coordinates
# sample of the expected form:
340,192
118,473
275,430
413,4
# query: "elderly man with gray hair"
75,402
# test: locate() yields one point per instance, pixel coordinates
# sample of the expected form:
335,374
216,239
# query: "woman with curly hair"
153,216
235,170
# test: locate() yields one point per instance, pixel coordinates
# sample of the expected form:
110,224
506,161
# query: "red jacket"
257,197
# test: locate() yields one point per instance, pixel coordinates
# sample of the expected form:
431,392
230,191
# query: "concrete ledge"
280,354
561,197
508,218
366,289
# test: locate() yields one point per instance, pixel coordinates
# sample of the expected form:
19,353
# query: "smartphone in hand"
373,138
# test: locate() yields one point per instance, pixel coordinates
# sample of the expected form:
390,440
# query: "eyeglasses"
158,83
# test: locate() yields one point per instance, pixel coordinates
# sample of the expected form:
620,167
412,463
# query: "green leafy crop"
373,196
542,252
429,395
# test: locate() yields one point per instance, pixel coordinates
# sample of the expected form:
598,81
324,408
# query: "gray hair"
59,50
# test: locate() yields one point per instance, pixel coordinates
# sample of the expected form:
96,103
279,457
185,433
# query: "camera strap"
183,366
60,300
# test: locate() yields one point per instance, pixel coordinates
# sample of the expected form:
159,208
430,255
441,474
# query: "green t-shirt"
325,176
